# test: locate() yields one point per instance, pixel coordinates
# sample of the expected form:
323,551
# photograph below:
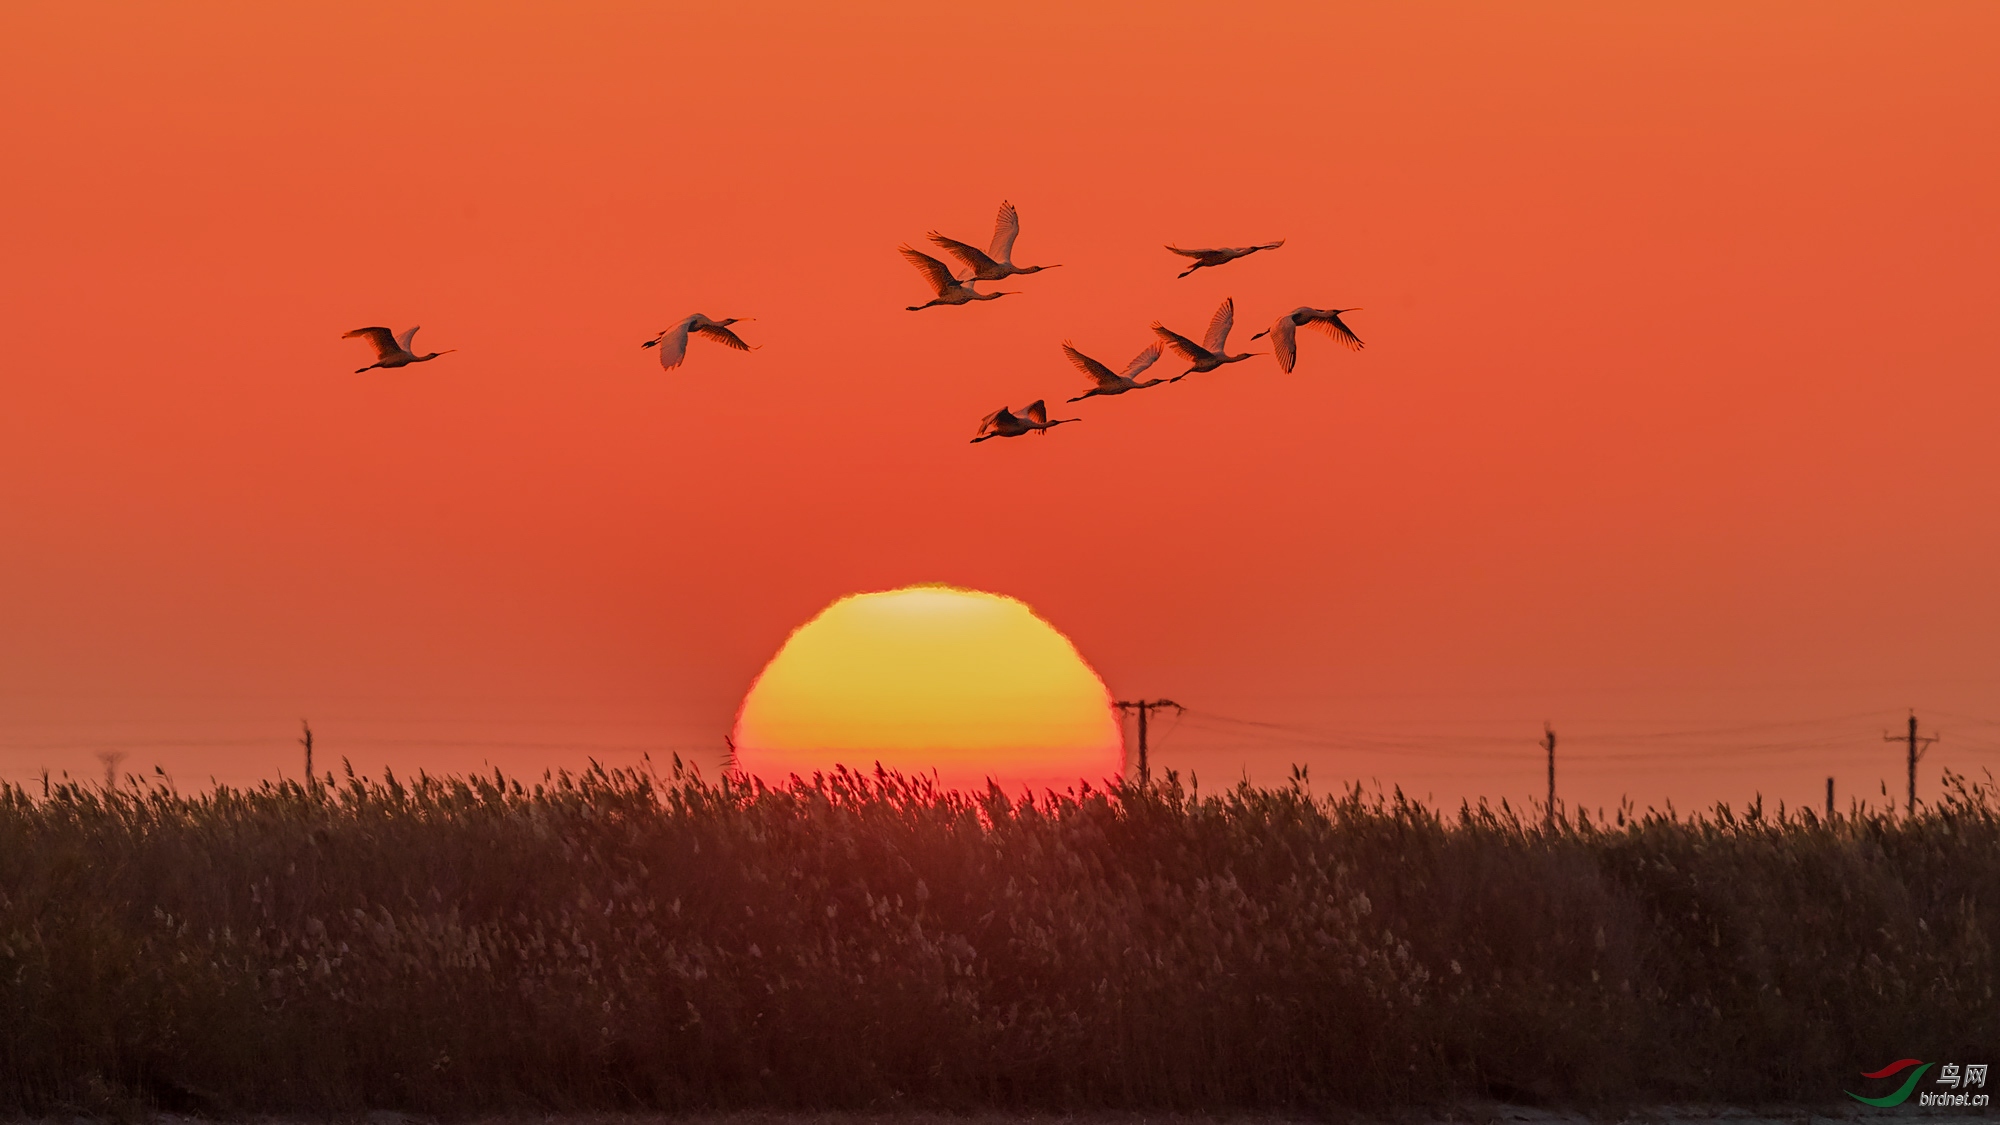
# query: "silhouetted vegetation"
611,940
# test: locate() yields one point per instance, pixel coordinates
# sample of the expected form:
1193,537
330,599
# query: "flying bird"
950,290
1212,352
1220,255
1111,382
996,262
1005,423
391,350
1284,331
673,342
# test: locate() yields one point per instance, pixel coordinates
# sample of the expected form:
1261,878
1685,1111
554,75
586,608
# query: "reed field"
618,940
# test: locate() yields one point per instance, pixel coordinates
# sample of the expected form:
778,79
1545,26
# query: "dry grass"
611,941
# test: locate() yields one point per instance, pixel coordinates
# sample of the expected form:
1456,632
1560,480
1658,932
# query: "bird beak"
1261,335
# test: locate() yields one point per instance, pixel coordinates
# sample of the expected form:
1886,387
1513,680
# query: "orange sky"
1677,412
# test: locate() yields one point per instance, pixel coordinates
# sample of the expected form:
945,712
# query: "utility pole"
1549,743
110,758
1829,798
307,742
1917,748
1143,707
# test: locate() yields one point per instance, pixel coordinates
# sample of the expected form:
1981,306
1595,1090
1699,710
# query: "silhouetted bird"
998,261
1005,423
1284,332
1220,255
673,342
392,350
1212,352
1111,382
950,290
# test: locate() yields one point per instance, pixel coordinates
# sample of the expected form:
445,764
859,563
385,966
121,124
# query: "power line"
1975,720
1459,746
1716,731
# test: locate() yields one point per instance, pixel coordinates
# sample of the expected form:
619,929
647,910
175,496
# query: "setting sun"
968,684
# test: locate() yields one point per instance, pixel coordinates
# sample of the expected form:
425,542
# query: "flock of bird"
996,263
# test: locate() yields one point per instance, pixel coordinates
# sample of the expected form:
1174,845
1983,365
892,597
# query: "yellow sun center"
930,678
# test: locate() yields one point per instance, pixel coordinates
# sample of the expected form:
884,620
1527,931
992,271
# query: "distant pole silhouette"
1143,707
1549,744
1829,798
1917,747
111,758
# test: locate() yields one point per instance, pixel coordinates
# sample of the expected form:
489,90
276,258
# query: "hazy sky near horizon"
1676,424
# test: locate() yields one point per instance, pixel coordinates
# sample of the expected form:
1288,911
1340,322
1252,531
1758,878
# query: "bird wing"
1091,367
934,271
403,341
1179,342
1268,245
723,336
1332,326
974,258
1142,361
1006,228
674,346
1219,326
994,421
1285,342
1038,412
383,340
1191,253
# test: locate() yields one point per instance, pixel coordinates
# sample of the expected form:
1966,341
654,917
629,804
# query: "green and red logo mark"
1902,1094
